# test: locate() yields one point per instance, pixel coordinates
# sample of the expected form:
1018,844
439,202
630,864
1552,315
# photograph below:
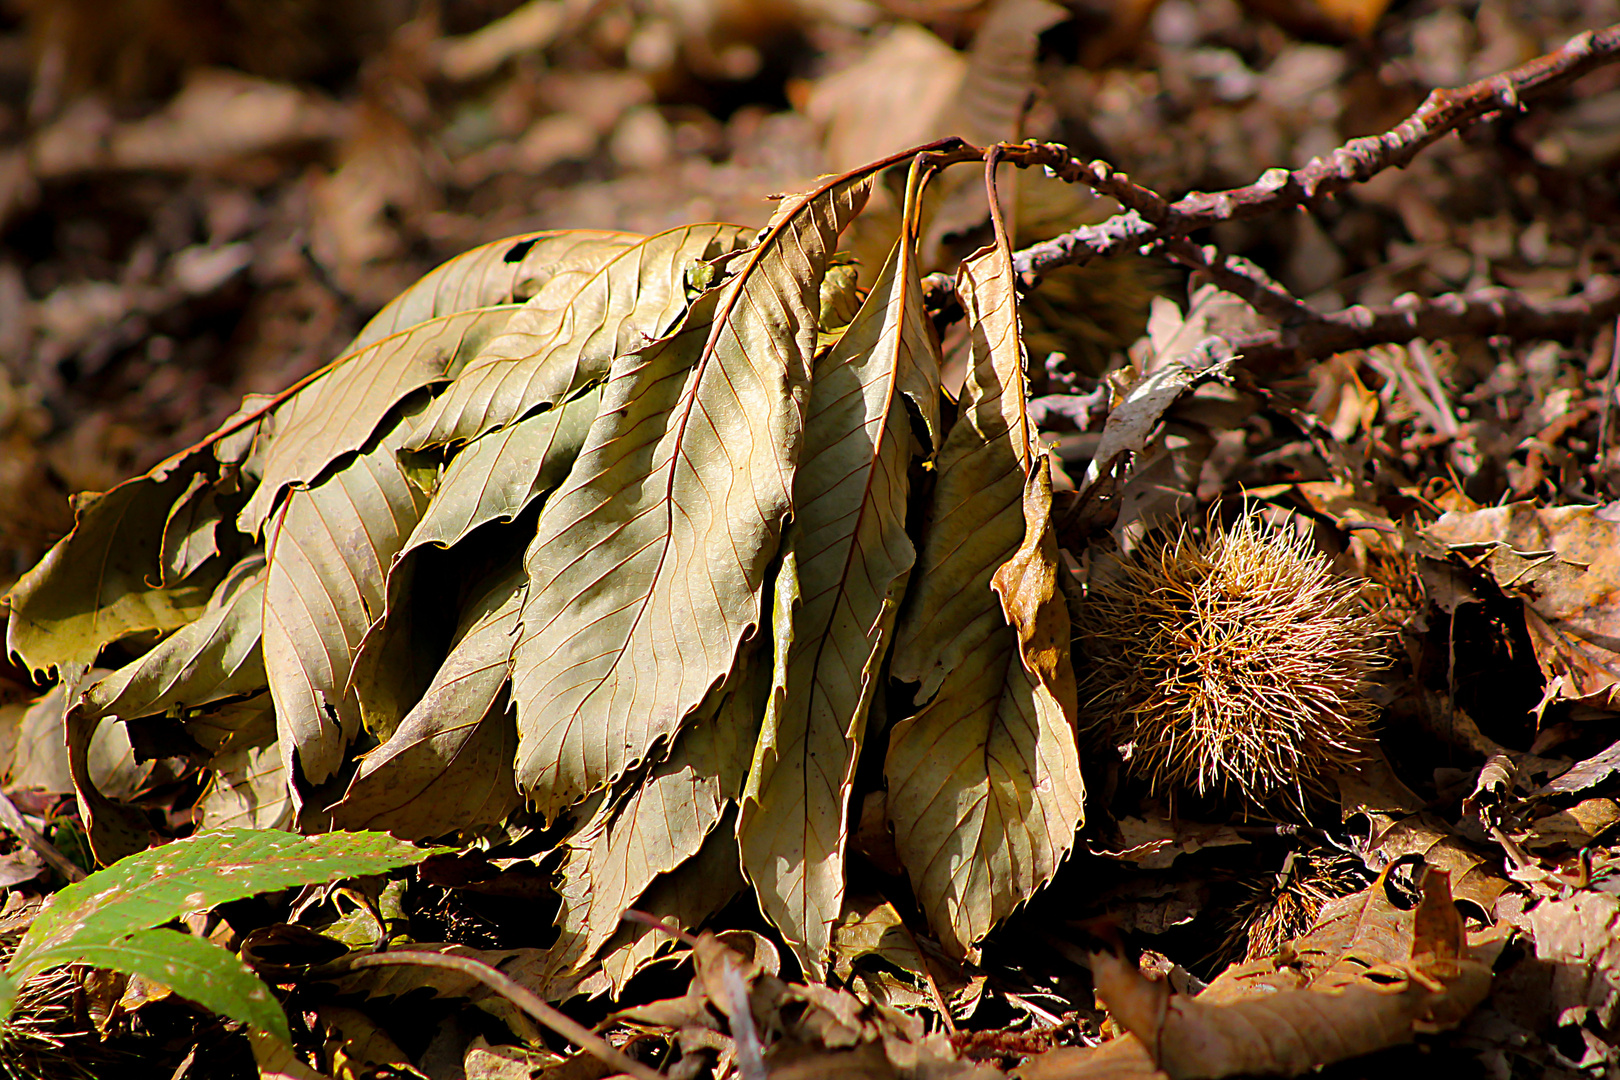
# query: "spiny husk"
1239,662
48,1037
1285,905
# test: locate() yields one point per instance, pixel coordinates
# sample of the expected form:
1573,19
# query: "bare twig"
1609,384
12,819
1492,312
1149,219
1242,278
526,1000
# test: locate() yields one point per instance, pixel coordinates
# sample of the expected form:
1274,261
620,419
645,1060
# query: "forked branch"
1150,219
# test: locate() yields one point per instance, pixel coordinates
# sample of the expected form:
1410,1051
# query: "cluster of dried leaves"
714,573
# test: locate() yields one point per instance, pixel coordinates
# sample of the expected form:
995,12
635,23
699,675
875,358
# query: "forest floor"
201,204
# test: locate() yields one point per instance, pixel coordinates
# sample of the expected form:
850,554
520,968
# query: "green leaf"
566,336
195,874
852,558
8,994
648,563
198,970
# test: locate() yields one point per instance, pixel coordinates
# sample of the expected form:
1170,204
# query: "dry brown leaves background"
205,201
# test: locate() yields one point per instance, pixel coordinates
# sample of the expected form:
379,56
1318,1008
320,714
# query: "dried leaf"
342,409
1586,774
95,587
329,549
1385,985
249,790
985,791
190,533
658,543
609,299
688,896
217,656
448,765
1027,586
500,472
506,271
1564,564
659,825
851,558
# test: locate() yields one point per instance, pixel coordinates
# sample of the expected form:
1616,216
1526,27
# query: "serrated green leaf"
195,874
197,970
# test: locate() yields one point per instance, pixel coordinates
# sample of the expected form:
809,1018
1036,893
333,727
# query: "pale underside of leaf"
985,791
497,474
504,271
189,538
95,587
231,725
659,824
217,656
974,523
851,555
342,409
249,790
648,564
567,334
493,478
448,765
686,896
329,550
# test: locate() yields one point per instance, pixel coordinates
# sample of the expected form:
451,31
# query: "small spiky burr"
1236,662
1280,907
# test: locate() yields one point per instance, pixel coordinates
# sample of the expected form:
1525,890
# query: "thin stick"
526,1000
1608,394
1150,219
12,819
